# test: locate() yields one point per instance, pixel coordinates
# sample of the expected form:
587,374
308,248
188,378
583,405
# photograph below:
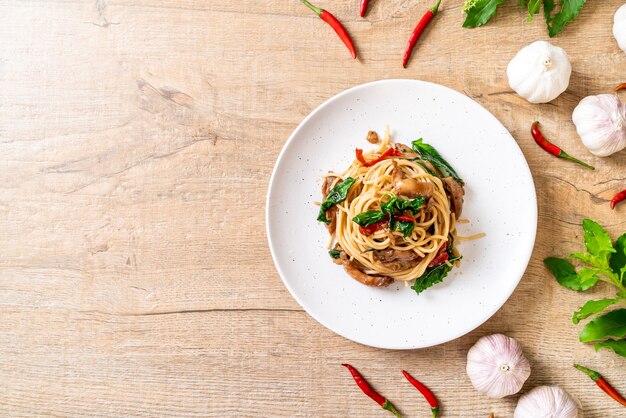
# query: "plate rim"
526,258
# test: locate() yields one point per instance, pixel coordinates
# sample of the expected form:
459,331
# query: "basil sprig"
337,195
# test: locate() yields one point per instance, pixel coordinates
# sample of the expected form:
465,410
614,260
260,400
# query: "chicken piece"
367,279
455,192
397,260
332,212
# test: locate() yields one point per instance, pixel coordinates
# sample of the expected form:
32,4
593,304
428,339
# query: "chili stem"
602,383
566,156
317,10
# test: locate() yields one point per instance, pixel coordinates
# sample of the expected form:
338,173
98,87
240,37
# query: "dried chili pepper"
390,152
369,391
618,198
428,395
602,383
363,7
404,218
551,148
327,17
417,32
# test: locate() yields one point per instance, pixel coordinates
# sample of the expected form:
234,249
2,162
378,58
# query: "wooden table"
136,142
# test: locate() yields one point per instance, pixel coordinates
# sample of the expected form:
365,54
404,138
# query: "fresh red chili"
620,87
390,152
618,198
428,395
369,391
363,7
551,148
602,383
417,32
404,218
370,229
327,17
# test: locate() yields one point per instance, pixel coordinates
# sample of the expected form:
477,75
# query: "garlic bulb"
547,402
619,27
539,72
601,123
496,365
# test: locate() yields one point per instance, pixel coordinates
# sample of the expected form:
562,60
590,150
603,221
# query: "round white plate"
500,201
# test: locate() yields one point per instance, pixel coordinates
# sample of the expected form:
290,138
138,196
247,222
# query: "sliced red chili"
404,218
370,229
618,198
441,257
390,152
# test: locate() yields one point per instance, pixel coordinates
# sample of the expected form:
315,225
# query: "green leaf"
612,324
567,277
405,227
432,276
429,153
592,307
618,259
619,346
479,12
598,241
337,195
369,217
533,8
334,253
569,10
587,258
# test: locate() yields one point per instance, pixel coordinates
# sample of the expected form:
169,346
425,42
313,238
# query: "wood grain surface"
137,138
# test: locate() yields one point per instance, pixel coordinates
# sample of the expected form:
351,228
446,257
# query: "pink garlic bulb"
496,365
547,402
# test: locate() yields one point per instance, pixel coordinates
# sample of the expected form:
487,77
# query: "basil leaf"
369,217
432,276
619,346
587,258
533,8
598,241
569,10
405,227
567,277
479,12
618,259
389,206
337,195
429,153
592,307
396,206
334,253
612,324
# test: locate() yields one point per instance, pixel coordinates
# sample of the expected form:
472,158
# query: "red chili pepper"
602,383
376,226
363,7
417,32
551,148
390,152
335,24
618,198
441,257
620,87
369,391
404,218
428,395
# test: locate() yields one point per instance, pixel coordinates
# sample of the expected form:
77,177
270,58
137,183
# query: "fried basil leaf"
433,275
369,217
405,227
337,195
334,253
429,153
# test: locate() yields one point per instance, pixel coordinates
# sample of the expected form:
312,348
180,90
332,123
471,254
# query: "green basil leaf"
619,346
334,253
612,324
618,259
598,241
405,227
429,153
369,217
337,195
569,10
533,8
567,277
432,276
587,258
479,12
389,206
592,307
397,206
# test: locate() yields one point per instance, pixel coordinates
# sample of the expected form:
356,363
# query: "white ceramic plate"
500,201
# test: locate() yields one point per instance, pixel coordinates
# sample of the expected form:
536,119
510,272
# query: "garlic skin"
547,402
539,72
497,367
619,27
601,123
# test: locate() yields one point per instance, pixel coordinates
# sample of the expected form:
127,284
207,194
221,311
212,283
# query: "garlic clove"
547,402
496,365
539,72
619,27
601,124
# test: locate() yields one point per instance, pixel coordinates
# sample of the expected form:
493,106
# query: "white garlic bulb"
539,72
496,365
547,402
601,123
619,27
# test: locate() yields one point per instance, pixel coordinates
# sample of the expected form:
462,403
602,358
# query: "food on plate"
392,215
497,366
